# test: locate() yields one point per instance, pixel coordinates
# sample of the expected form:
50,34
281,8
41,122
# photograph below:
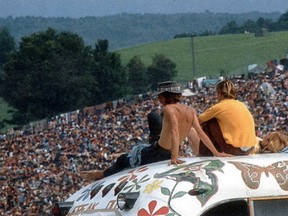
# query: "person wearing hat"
178,119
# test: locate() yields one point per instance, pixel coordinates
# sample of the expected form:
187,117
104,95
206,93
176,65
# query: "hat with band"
169,86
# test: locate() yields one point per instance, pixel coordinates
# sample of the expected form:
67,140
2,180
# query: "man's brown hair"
171,98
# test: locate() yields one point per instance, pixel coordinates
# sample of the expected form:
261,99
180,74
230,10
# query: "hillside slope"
232,53
125,30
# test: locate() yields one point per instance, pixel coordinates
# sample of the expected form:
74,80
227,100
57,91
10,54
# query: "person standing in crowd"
229,124
178,119
155,125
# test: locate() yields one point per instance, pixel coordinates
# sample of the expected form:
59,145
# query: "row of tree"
255,26
54,72
251,26
125,30
51,72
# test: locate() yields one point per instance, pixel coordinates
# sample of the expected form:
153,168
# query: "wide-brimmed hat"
169,86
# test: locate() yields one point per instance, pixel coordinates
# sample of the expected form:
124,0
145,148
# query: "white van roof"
187,189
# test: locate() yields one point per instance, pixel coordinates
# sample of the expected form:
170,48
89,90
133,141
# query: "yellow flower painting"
154,186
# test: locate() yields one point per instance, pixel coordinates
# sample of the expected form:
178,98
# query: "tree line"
124,30
249,26
255,26
54,72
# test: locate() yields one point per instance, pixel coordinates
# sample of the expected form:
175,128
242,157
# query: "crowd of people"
42,167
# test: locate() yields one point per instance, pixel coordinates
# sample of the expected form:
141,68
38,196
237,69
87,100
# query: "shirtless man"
178,121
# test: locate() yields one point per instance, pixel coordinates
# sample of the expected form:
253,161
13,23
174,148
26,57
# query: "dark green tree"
161,69
137,76
263,23
283,21
49,74
7,45
249,26
110,74
230,28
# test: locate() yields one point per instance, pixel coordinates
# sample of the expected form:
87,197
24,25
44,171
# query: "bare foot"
92,175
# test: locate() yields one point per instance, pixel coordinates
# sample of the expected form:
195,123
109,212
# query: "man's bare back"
177,122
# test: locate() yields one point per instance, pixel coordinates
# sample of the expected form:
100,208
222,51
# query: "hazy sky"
81,8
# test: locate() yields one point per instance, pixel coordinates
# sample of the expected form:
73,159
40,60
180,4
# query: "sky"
82,8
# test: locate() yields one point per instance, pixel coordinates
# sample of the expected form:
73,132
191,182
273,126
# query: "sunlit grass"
232,53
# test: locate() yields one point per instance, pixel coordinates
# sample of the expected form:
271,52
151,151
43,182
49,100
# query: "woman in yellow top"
229,124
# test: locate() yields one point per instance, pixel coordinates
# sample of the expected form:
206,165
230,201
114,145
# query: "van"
251,185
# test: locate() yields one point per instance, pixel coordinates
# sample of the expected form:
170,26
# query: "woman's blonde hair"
227,89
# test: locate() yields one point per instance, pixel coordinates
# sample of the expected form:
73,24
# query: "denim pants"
150,154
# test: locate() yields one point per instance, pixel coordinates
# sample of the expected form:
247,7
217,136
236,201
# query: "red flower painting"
151,210
132,175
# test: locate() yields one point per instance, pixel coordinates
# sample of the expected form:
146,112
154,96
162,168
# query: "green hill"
125,30
232,53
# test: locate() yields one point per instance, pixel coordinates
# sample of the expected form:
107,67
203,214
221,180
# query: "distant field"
231,53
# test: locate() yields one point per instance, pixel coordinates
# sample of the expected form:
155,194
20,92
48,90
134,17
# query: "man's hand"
176,162
222,154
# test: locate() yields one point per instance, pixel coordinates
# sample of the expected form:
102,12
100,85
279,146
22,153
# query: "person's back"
177,122
235,120
229,123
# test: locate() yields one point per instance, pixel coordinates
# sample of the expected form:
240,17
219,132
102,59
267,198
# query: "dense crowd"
41,167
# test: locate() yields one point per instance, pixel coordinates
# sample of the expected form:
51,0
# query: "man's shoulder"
177,107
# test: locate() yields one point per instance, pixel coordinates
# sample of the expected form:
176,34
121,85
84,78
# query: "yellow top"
235,121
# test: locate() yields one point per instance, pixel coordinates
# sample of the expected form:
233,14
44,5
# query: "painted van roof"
186,189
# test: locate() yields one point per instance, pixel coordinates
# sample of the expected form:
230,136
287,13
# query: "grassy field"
231,53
